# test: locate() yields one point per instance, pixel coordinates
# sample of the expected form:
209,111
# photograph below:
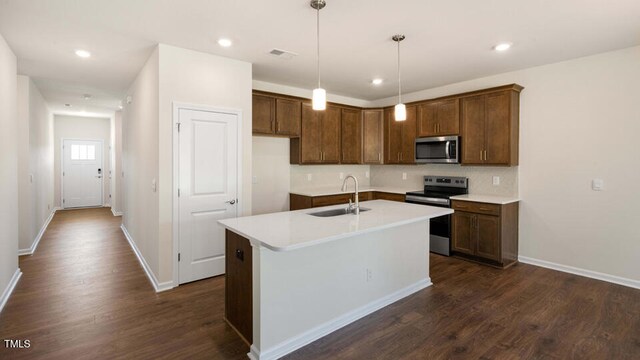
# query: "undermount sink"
335,212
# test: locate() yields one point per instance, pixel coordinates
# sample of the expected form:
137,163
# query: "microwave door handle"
446,149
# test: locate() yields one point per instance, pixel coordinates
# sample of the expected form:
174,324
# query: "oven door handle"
427,200
446,149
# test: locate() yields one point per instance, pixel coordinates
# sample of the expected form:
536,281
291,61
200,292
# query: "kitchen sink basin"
335,212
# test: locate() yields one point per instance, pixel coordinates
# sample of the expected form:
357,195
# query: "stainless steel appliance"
437,192
442,149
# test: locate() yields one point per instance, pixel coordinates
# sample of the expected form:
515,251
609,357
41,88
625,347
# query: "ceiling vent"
283,54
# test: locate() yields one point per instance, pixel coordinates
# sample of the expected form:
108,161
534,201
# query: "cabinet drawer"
389,196
476,207
331,200
365,196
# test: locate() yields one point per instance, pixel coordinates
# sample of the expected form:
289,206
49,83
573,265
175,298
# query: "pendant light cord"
318,40
399,79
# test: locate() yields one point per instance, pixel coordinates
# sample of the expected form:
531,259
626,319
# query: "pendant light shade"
319,100
400,113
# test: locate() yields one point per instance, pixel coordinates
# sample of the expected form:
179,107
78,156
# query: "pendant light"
319,94
400,113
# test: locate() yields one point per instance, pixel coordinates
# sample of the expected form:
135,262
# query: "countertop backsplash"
480,177
327,175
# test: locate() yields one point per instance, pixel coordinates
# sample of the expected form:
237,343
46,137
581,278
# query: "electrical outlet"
366,174
496,180
597,184
404,176
154,185
369,275
309,177
254,179
341,176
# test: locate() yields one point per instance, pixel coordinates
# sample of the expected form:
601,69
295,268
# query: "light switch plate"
341,176
404,176
496,180
254,179
154,185
366,174
597,184
309,177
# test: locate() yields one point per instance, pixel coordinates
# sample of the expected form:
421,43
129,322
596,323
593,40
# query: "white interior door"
82,173
208,189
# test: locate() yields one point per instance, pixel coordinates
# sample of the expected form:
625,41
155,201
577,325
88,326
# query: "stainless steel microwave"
442,149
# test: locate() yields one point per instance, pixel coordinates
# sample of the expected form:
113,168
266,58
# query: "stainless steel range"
437,192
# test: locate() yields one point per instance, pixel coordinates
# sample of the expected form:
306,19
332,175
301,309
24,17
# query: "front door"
208,189
82,173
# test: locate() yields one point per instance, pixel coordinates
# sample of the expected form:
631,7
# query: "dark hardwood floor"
83,295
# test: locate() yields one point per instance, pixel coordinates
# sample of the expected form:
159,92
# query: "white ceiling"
447,41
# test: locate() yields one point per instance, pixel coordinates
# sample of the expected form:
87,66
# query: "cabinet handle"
379,156
398,157
435,128
484,209
401,156
481,152
485,155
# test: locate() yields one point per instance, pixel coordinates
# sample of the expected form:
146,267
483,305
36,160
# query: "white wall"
35,164
271,175
579,120
327,175
140,162
77,127
8,169
193,77
116,171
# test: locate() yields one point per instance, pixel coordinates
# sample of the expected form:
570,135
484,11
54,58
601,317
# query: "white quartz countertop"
292,230
335,190
489,199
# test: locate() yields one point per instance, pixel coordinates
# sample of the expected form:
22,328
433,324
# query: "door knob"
231,202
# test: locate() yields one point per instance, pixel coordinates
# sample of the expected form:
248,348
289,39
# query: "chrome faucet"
351,208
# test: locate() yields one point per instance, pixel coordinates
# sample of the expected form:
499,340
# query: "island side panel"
301,295
239,285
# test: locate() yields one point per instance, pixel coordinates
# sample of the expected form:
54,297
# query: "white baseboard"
159,287
582,272
35,243
316,333
10,287
116,213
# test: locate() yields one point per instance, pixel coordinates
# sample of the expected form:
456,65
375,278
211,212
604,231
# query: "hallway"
83,295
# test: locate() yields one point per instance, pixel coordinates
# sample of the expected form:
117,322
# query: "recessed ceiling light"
224,42
502,46
83,53
67,105
376,81
86,96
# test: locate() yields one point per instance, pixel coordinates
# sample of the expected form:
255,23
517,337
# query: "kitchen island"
293,277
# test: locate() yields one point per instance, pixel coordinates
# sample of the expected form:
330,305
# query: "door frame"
177,106
62,140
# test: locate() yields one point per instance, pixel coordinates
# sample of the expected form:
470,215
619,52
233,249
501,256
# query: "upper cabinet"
490,130
372,135
274,115
439,118
351,136
400,137
319,141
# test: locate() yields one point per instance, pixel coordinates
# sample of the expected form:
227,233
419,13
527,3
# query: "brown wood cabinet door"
408,152
488,230
372,128
264,112
389,196
288,117
311,136
239,284
427,115
331,135
392,138
448,117
463,236
473,129
498,128
351,137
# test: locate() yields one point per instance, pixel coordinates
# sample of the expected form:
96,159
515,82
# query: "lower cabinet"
298,202
238,309
485,232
